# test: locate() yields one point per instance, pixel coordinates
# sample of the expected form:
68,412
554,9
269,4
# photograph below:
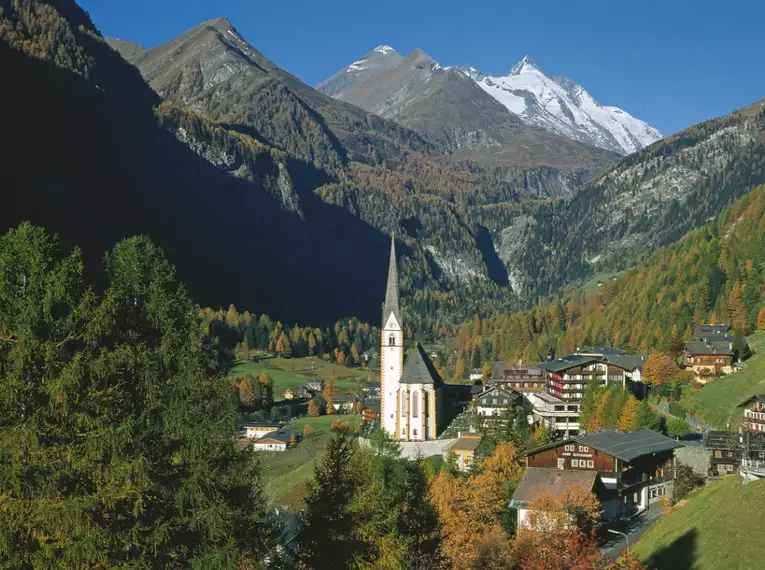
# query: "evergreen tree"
646,418
326,536
117,430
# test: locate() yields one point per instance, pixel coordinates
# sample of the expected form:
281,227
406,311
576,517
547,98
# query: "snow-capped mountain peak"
526,65
563,107
384,50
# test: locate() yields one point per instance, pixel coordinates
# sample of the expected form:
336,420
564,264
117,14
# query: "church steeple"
391,292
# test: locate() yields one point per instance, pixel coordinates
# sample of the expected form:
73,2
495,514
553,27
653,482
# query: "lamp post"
627,538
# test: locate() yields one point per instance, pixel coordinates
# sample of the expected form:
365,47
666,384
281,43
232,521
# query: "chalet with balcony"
496,401
559,415
528,377
538,481
636,467
725,452
708,359
754,414
567,378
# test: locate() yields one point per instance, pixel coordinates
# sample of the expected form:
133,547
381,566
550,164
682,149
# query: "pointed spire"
391,291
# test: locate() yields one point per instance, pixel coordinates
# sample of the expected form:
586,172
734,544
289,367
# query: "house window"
590,464
569,448
718,454
574,463
392,340
415,405
583,449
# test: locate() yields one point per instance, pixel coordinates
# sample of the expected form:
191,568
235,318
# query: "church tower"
392,349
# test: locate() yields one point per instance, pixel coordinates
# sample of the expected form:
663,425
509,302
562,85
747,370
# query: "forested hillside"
714,274
648,200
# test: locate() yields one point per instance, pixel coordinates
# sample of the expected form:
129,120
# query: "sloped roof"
721,440
568,361
498,369
760,397
391,291
553,482
709,348
628,446
500,392
262,425
627,361
282,436
467,442
419,369
601,349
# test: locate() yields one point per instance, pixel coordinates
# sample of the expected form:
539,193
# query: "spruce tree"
117,447
326,537
589,404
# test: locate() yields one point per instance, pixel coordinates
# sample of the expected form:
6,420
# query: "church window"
415,405
404,404
392,340
414,433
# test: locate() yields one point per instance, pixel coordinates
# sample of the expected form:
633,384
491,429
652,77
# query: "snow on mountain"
380,60
561,106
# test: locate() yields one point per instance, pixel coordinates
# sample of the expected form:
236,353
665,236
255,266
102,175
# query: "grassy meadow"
720,526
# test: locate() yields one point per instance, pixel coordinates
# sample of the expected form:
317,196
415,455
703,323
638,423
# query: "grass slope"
294,372
286,473
717,400
720,527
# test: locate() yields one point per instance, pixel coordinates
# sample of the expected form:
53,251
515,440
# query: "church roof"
419,369
391,292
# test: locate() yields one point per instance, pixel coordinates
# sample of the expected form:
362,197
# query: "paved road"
634,528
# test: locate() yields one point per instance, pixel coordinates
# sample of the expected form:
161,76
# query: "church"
412,391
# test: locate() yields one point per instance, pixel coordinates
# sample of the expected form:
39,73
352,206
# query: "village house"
754,414
279,440
713,333
295,393
708,359
370,409
256,430
559,415
538,481
496,401
315,385
725,452
372,389
464,449
343,403
476,374
520,377
636,467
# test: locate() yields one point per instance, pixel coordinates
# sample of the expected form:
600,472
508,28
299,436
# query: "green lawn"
293,372
599,279
721,527
717,400
286,473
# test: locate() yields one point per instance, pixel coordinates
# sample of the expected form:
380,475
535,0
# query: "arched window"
392,340
415,405
414,434
404,403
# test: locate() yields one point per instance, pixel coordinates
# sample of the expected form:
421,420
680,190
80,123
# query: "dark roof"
601,349
282,435
710,328
466,442
709,348
391,291
261,424
628,446
548,481
497,391
498,369
721,440
626,361
419,369
760,397
568,361
315,381
373,404
342,398
372,386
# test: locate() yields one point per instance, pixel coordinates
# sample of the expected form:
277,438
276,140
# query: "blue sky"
671,63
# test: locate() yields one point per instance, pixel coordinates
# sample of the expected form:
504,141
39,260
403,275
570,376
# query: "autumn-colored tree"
576,507
246,395
328,393
313,409
598,420
589,404
660,369
292,440
542,435
573,550
761,319
629,414
307,430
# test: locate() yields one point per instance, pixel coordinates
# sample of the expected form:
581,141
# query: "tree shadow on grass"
679,555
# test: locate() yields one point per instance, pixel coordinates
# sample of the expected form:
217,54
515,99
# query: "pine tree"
326,538
113,412
646,418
